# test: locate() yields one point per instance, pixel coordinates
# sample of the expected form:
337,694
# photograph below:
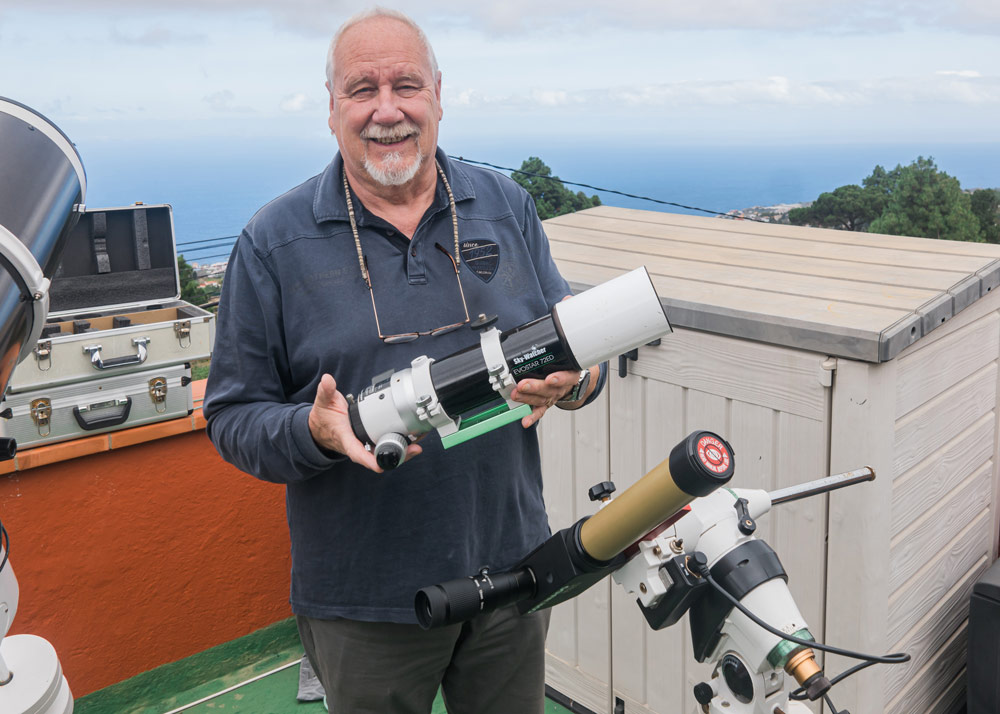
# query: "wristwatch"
578,390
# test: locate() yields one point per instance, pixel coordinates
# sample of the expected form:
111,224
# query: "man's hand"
540,394
330,426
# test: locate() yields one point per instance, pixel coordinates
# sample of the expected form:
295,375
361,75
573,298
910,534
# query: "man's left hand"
540,394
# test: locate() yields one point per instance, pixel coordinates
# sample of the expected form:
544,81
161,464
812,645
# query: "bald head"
376,13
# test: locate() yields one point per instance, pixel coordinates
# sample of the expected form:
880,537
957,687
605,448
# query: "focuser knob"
601,491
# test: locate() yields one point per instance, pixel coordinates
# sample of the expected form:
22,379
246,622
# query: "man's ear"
437,93
329,119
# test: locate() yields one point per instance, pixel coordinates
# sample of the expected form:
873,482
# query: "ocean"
216,186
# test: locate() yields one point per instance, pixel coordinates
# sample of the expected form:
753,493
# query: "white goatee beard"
391,171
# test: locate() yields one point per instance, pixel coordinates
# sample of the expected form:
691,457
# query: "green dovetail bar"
485,421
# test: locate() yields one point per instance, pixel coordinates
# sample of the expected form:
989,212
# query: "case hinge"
182,329
43,355
41,414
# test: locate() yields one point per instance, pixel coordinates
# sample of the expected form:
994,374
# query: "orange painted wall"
138,556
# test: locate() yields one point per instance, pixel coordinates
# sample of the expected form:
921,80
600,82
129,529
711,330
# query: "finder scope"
585,330
577,557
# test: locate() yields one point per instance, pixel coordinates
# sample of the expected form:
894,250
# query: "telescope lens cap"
701,463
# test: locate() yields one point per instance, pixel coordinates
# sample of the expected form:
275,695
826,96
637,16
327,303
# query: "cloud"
321,17
948,87
224,101
299,103
156,36
958,73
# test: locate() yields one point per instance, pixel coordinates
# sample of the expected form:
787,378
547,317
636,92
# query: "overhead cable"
604,190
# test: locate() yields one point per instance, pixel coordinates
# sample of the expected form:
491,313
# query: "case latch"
158,393
183,331
43,355
41,414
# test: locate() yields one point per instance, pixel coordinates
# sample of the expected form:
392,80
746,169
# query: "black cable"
202,258
833,709
207,240
800,693
605,190
205,248
217,242
896,658
4,537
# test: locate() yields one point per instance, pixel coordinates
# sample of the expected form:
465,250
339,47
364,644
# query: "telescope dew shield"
612,318
42,187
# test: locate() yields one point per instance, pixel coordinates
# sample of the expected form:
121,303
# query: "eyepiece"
390,451
462,599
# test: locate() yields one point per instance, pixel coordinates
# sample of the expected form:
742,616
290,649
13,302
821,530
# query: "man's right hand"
330,426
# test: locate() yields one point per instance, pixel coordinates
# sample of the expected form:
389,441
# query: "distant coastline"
768,214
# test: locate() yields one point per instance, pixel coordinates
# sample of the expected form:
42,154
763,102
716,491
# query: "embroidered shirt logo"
481,257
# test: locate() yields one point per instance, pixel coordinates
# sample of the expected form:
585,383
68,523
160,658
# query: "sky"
656,72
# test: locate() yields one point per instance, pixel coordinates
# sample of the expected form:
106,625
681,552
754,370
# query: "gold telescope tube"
697,466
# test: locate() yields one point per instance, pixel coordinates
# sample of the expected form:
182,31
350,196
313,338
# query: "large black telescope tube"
585,330
42,189
577,557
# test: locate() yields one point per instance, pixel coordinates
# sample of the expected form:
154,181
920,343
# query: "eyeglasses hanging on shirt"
366,275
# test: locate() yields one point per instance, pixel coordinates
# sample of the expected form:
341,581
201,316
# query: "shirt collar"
329,203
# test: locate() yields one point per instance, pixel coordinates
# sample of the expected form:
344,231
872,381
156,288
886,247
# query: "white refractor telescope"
444,395
42,189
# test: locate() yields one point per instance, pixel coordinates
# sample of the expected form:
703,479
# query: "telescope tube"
587,329
42,189
577,557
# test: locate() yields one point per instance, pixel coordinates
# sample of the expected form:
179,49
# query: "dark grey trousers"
493,664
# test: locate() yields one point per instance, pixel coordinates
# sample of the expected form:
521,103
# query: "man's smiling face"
385,103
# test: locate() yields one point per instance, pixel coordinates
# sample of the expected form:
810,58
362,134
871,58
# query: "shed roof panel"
854,295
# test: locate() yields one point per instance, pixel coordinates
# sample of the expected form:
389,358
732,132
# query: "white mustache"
396,132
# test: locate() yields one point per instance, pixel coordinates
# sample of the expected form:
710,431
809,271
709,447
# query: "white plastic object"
38,685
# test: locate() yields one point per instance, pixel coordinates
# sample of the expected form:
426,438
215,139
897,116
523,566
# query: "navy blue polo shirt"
294,306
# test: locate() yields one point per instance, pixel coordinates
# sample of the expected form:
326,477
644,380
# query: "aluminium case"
115,306
51,414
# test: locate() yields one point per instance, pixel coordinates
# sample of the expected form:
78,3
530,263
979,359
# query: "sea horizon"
215,187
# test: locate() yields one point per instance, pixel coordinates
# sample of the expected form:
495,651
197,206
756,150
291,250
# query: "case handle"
138,358
90,423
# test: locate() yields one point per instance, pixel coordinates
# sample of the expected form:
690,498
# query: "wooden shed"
813,352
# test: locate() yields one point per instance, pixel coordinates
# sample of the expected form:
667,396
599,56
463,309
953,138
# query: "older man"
338,278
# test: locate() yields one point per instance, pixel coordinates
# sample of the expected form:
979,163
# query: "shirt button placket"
415,267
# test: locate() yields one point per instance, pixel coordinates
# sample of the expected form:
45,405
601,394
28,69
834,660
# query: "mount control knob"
601,491
703,693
